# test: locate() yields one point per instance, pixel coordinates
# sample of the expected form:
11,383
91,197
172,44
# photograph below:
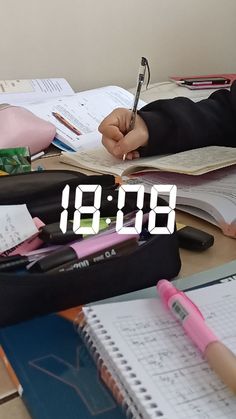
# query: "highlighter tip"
166,290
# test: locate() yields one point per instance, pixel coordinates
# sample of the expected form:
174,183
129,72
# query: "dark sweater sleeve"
180,124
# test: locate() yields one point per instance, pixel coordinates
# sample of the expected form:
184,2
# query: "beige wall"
98,42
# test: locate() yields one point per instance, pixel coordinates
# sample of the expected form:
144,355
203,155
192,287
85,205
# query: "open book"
211,197
25,91
157,370
192,162
73,114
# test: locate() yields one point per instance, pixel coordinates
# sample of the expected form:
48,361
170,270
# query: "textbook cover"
56,371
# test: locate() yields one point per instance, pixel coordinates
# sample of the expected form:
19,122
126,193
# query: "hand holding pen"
124,131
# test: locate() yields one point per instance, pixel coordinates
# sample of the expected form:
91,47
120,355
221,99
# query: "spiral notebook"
153,366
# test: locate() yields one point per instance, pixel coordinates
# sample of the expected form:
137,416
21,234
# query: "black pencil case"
23,296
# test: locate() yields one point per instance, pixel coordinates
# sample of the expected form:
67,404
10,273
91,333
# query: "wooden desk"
223,250
14,408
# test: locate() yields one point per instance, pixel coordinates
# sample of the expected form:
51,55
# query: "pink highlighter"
220,358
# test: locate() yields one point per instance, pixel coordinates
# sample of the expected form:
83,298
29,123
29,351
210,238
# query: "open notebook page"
195,162
172,380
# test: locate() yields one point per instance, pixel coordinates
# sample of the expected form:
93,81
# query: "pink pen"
220,358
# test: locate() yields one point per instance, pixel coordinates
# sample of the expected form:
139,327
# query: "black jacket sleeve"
180,124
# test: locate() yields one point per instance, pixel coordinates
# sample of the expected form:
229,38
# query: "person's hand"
116,136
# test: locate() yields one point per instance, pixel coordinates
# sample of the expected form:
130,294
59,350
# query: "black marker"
106,254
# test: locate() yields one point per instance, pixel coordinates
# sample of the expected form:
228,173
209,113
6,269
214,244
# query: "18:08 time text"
94,210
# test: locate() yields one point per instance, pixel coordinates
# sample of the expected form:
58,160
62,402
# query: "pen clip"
143,66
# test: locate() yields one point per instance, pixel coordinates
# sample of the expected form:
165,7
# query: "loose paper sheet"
16,225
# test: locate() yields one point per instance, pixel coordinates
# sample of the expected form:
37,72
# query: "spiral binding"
94,336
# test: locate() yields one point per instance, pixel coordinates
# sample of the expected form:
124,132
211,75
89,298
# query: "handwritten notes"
16,225
161,359
192,162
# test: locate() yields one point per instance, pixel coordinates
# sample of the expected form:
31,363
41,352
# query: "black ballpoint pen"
140,81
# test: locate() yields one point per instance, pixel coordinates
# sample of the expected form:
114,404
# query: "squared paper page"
16,225
165,361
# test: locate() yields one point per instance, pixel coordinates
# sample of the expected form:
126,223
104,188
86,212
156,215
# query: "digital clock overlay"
123,190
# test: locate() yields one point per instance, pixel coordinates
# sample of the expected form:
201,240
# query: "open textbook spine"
124,394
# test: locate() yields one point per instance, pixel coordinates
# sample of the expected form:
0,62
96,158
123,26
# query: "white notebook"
158,371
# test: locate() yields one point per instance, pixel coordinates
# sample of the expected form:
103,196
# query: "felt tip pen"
219,357
16,262
13,263
123,248
79,250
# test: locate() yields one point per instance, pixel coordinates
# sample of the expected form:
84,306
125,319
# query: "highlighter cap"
166,290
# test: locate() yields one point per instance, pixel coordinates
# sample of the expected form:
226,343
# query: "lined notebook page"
163,372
